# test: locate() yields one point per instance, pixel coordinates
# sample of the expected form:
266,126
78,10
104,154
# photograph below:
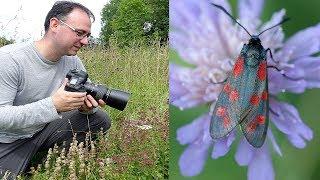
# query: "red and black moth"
244,98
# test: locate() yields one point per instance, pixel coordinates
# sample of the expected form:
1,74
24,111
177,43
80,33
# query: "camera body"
77,79
78,83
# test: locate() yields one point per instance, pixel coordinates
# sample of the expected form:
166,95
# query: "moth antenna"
281,22
225,11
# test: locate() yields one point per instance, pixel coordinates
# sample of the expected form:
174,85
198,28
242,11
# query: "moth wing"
225,117
255,119
227,110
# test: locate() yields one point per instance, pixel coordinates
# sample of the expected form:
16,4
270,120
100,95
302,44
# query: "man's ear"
54,22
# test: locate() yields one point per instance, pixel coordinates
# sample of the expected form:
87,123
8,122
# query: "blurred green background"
295,164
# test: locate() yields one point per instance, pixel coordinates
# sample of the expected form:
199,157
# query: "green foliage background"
123,20
135,153
4,41
129,20
295,164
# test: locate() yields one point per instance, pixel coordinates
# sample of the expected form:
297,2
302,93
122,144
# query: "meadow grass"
137,144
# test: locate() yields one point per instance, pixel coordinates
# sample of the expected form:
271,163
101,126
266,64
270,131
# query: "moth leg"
273,112
269,50
283,74
281,71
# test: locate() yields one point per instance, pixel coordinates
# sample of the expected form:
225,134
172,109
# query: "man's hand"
90,103
67,101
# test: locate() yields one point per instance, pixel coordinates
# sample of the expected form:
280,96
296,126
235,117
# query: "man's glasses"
80,33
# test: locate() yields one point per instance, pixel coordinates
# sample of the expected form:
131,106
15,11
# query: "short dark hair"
61,9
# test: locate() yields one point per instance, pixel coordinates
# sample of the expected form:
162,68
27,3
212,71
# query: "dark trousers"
15,156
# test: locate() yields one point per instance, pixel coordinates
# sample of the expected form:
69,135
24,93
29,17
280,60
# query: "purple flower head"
207,38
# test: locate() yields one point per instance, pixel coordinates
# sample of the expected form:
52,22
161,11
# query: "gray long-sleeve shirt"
27,80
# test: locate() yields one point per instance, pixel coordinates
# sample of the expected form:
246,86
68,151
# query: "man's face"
73,32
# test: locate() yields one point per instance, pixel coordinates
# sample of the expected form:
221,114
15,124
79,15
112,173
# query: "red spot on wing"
234,95
261,119
238,66
227,88
264,95
262,71
226,122
254,100
221,111
251,127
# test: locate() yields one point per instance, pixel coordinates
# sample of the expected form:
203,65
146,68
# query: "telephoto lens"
112,97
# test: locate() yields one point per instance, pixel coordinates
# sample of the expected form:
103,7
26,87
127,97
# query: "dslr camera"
78,83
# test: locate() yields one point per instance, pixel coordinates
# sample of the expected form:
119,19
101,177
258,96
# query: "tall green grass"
136,146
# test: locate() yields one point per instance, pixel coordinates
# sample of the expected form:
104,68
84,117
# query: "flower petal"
190,132
278,83
260,166
277,117
288,121
273,38
185,89
192,87
284,116
310,66
192,160
222,146
176,88
245,153
296,141
201,33
306,70
249,12
183,13
304,43
274,143
303,133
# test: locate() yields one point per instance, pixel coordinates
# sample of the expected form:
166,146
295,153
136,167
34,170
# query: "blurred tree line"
128,21
4,41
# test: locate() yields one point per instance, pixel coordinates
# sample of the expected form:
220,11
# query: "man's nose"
85,40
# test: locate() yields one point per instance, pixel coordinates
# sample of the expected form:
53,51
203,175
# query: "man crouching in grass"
35,110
